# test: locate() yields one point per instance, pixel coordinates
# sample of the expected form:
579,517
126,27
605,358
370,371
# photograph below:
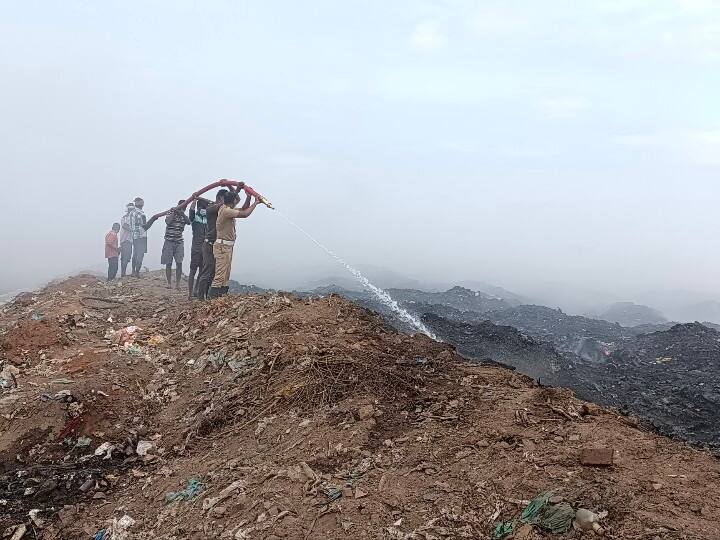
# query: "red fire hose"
220,183
250,191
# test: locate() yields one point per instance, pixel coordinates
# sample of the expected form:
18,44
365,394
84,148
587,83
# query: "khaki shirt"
225,224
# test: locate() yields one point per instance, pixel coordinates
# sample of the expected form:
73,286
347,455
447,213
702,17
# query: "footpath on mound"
127,411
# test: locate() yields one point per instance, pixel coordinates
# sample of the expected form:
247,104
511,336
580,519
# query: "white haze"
566,150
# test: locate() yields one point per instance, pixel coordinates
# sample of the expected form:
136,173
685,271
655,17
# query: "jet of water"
381,294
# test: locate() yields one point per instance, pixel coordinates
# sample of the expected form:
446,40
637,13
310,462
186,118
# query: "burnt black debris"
670,379
631,314
565,332
459,298
503,344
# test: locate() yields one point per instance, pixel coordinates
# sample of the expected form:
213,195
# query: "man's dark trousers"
207,271
112,268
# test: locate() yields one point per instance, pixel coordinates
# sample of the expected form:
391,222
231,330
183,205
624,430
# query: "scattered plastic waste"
210,502
19,532
105,448
156,340
192,490
87,485
243,366
124,335
143,447
34,515
37,316
63,395
589,521
332,494
117,530
555,518
82,442
133,350
8,377
218,360
503,529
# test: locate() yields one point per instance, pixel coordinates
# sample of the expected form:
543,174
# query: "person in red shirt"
112,251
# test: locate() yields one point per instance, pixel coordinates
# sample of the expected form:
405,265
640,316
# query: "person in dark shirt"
174,247
207,271
198,220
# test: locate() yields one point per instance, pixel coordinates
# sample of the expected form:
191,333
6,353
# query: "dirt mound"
280,417
346,352
31,338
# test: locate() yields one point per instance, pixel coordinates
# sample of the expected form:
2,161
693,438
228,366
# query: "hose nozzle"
266,202
250,191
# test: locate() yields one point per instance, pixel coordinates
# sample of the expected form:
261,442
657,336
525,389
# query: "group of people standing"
213,240
127,241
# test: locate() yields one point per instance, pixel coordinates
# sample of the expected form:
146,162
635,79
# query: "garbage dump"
135,413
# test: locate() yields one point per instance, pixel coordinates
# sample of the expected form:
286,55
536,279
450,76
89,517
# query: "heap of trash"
131,413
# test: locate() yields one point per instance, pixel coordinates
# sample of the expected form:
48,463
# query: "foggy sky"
537,145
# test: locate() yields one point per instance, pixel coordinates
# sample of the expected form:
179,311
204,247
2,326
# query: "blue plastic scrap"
192,490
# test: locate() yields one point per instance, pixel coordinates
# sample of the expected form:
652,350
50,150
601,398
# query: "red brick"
597,457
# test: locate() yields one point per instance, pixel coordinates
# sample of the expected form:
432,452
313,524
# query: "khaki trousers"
223,261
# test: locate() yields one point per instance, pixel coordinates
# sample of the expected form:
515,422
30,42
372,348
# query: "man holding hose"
174,246
223,244
198,220
207,270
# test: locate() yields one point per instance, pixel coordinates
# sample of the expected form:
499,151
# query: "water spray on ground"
381,295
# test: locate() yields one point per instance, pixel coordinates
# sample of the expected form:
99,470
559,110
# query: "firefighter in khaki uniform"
223,246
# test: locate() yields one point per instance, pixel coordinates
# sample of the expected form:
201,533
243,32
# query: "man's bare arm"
246,205
237,188
245,212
